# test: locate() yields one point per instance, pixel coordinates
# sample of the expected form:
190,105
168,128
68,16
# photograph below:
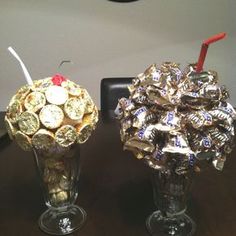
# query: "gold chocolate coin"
14,110
94,117
62,196
42,84
83,132
74,108
53,188
10,129
59,197
23,92
28,122
56,95
72,88
51,116
23,141
91,118
64,183
66,135
89,105
43,139
35,101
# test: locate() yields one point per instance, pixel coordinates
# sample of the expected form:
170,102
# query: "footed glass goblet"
58,170
170,191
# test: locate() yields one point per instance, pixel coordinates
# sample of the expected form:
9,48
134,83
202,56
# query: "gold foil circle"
59,197
64,183
23,141
42,84
74,108
10,128
66,135
56,95
83,132
23,92
89,105
72,88
34,101
51,116
14,110
28,122
43,139
91,118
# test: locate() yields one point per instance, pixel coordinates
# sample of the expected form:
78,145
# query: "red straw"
204,48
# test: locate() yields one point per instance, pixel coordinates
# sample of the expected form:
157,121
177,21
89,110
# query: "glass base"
180,225
62,221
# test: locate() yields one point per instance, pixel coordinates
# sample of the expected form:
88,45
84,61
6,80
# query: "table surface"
114,189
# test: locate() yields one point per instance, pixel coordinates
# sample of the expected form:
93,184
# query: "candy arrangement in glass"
172,120
51,117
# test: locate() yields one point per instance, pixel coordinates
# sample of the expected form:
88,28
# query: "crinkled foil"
84,130
28,122
23,141
72,88
74,108
14,110
174,112
10,128
66,135
35,101
51,117
43,139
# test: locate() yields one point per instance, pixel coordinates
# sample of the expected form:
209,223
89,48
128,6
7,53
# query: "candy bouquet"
170,111
51,117
52,113
173,120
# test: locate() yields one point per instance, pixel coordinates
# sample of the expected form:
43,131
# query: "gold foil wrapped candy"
56,95
66,135
173,112
52,114
74,108
28,122
34,101
23,141
43,139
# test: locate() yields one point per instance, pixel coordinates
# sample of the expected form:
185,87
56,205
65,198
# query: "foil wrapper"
177,113
43,139
51,116
28,122
66,135
23,141
34,101
56,95
74,108
58,169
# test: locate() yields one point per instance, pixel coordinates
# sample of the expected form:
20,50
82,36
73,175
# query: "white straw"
25,71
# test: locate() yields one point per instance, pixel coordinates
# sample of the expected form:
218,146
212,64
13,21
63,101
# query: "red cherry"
58,79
